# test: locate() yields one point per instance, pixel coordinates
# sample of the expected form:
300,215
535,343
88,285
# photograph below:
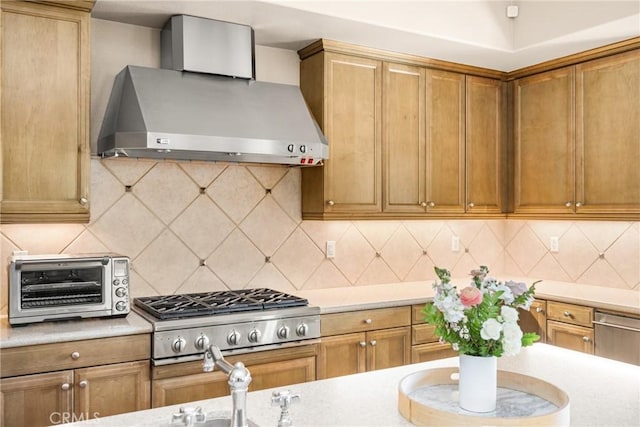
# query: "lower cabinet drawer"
364,320
422,334
570,313
432,351
74,354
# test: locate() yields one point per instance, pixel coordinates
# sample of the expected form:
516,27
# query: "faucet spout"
239,380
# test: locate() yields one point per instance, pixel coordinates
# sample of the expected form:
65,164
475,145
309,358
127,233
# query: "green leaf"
529,338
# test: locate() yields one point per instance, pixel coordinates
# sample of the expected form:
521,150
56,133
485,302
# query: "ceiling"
474,32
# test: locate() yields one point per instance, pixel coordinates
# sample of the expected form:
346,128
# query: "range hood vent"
207,106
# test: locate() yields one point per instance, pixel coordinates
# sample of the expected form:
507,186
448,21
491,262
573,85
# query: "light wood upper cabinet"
485,157
544,143
577,140
45,112
403,142
445,142
608,134
344,94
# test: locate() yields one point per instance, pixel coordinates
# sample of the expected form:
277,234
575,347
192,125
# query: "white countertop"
352,298
602,392
70,330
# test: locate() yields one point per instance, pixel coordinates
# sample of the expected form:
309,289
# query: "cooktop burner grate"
219,302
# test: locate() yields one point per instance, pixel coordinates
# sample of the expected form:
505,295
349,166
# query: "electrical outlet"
554,244
455,243
331,248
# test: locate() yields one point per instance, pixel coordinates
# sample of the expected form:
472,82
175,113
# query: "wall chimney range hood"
205,104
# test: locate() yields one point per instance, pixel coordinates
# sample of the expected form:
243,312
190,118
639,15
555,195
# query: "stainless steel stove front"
181,340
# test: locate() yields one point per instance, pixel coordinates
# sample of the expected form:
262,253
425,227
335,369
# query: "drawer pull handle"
373,343
586,339
566,314
363,344
65,386
83,384
368,321
539,310
75,355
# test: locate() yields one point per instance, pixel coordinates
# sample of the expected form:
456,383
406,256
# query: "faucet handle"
284,399
188,416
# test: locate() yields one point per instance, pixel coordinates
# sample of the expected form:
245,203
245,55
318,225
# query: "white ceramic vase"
477,383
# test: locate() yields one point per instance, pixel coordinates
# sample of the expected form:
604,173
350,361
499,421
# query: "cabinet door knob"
373,343
586,339
568,204
363,344
423,204
539,310
331,202
578,204
84,201
368,321
83,384
65,386
432,204
471,204
75,355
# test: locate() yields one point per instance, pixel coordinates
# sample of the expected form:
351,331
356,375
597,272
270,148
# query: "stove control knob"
254,336
121,292
121,306
233,338
302,329
202,342
283,332
178,345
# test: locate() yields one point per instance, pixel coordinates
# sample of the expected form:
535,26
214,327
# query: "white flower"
509,314
507,295
511,348
512,332
491,329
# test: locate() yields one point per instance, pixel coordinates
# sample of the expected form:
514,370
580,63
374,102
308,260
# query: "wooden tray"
425,413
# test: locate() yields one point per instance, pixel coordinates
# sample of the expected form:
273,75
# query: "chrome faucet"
239,380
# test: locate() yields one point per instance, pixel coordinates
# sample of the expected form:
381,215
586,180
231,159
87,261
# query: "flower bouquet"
482,319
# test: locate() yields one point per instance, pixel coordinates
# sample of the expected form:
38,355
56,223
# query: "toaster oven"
61,287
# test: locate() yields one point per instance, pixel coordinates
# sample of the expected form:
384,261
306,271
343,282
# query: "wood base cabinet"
88,379
185,382
535,319
570,326
45,102
425,345
366,340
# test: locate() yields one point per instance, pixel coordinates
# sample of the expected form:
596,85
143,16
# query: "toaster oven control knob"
178,345
121,292
254,336
233,338
283,332
302,330
121,306
202,342
116,282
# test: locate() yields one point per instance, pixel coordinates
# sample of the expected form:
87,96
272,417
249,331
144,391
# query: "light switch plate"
554,244
455,243
331,248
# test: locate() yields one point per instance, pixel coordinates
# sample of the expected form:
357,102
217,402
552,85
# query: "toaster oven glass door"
59,286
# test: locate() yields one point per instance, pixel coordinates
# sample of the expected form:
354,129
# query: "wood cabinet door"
45,113
403,141
573,337
352,123
37,400
544,143
106,390
485,146
445,126
608,135
342,355
387,348
535,319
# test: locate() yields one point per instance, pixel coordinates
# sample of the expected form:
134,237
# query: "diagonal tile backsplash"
199,226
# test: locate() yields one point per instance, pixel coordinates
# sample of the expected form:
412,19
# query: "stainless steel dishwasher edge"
617,337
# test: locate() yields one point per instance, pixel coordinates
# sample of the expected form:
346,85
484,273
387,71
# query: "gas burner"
219,302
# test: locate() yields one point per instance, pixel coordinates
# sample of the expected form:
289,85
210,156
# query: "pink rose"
470,296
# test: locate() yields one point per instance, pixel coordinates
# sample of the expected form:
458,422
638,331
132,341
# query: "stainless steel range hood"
170,113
